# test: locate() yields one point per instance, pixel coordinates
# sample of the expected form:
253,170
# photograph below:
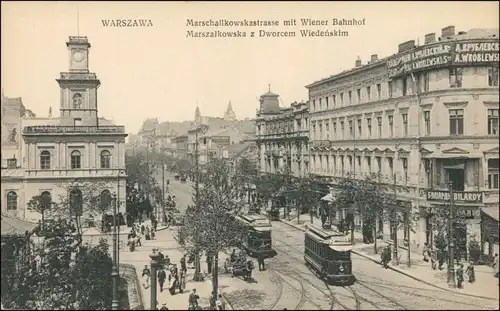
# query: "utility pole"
395,259
114,273
162,191
451,243
200,129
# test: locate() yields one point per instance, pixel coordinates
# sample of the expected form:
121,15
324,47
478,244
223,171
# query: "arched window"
45,200
76,202
11,201
45,160
105,159
76,159
105,200
77,101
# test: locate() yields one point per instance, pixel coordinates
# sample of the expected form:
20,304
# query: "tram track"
301,290
279,283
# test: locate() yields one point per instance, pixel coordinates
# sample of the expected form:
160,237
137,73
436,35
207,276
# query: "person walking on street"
162,276
146,274
426,252
209,263
183,263
193,300
182,281
495,265
460,276
433,259
260,259
471,274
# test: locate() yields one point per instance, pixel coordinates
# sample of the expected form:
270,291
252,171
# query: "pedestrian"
162,276
209,263
426,252
143,229
182,281
260,259
173,283
471,274
146,274
460,276
193,300
148,235
433,259
441,258
220,303
495,265
183,263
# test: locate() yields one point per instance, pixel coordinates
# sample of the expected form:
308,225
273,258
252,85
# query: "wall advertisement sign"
458,196
445,54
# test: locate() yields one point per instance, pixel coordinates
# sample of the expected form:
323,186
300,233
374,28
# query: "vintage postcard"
261,155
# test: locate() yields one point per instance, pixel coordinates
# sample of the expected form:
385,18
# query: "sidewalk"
486,285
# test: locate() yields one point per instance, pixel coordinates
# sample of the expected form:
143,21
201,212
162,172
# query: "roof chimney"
448,31
374,58
358,62
430,38
406,46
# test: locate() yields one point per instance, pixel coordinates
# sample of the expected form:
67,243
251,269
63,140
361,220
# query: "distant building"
181,143
229,115
50,154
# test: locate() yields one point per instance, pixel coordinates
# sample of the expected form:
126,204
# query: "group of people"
141,230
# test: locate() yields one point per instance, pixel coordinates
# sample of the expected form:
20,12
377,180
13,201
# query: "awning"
329,197
15,226
491,211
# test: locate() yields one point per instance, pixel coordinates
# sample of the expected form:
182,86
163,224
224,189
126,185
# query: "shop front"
462,210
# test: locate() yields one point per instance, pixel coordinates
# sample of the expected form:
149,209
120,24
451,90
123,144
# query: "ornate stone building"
282,136
75,149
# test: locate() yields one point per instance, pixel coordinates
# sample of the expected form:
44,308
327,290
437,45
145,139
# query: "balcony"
59,129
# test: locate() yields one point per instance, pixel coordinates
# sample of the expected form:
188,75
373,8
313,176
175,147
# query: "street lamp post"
114,273
200,129
395,259
155,263
451,244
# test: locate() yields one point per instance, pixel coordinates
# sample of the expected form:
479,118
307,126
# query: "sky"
157,72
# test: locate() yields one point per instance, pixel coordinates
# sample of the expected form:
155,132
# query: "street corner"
252,295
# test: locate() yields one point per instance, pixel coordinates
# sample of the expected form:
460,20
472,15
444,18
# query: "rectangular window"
360,132
493,173
369,126
77,121
389,88
493,76
404,117
379,124
351,130
334,100
320,126
350,97
379,91
379,164
390,164
425,77
320,107
404,162
76,161
327,130
342,130
341,99
391,125
455,77
358,92
368,92
314,131
369,164
326,100
314,104
358,162
334,124
427,121
405,85
493,121
456,121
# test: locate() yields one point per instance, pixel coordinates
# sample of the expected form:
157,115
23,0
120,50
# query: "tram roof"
255,220
337,240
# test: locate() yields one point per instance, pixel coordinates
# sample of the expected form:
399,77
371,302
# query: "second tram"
328,252
258,236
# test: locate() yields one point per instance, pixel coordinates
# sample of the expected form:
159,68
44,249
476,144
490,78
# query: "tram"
259,235
328,253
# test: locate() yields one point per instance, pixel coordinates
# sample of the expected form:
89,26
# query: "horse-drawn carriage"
239,266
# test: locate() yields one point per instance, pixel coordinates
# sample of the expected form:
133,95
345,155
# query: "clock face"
78,56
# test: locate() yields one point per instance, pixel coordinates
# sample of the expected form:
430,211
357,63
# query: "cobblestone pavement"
376,288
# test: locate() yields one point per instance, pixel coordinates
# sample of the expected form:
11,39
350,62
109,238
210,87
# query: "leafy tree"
41,204
59,273
210,226
306,194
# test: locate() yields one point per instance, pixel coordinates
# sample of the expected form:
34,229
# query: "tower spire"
269,86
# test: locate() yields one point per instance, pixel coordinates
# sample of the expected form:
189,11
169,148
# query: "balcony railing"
59,129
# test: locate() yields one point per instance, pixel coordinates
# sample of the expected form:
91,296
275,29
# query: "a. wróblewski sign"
466,53
459,196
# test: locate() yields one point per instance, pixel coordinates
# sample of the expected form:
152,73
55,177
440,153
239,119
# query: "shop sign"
444,54
458,196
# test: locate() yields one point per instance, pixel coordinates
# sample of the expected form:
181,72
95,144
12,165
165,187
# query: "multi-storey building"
181,143
282,136
422,119
60,154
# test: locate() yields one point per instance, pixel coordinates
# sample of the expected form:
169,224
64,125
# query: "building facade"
63,156
282,136
420,119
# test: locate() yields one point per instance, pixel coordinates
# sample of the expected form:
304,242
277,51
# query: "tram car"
328,253
259,235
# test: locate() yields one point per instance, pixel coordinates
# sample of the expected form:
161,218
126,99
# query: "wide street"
293,285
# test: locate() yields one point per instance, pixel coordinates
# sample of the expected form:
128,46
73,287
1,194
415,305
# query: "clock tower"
78,86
